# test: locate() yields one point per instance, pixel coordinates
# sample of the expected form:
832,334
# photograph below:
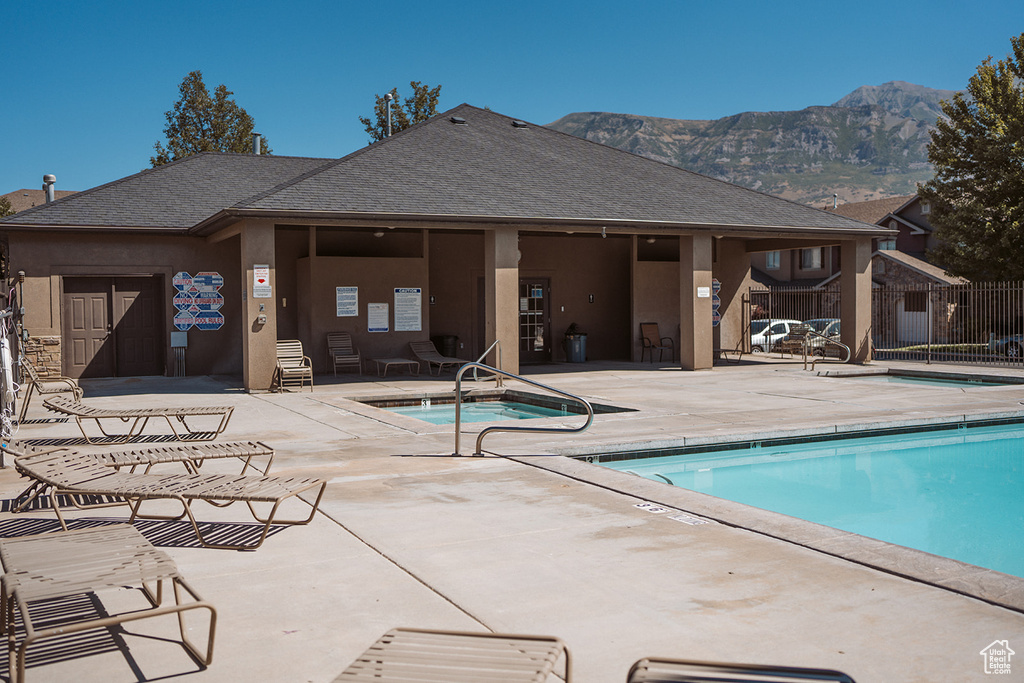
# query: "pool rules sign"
198,301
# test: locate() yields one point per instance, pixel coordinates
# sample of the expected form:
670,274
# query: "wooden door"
112,326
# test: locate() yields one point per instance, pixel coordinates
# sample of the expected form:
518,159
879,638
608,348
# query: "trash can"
446,344
576,348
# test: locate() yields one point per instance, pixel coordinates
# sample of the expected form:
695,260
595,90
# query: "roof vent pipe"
387,103
255,142
48,181
835,201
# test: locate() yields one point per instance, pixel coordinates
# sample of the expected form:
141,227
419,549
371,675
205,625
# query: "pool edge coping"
987,585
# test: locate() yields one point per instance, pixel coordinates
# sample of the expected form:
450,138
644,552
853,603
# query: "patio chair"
660,670
42,569
341,351
80,475
793,342
44,386
293,367
410,654
651,341
138,417
426,352
192,456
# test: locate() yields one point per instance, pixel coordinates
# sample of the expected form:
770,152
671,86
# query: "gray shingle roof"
488,167
484,168
174,196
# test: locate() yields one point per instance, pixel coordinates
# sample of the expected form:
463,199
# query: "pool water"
957,493
478,411
932,381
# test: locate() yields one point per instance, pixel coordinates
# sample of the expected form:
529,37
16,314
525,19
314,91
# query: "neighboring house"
907,214
26,199
471,224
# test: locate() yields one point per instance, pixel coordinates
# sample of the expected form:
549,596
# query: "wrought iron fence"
974,323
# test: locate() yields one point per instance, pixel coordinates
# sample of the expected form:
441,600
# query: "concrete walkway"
410,536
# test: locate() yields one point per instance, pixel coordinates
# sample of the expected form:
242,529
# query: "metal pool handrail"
497,350
828,340
488,430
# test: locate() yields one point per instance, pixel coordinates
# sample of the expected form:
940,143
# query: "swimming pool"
955,493
485,406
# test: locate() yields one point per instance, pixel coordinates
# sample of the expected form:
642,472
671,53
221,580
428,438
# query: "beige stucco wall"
47,257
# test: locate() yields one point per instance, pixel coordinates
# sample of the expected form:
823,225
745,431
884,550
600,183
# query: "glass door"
534,320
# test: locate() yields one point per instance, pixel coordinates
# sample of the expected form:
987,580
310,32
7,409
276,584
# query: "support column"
501,293
696,340
732,269
855,295
259,339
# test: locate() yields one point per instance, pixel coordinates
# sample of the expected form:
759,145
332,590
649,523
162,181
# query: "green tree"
200,122
977,194
419,106
5,207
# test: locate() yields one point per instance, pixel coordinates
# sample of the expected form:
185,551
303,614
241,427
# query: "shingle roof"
484,168
488,167
871,211
934,272
174,196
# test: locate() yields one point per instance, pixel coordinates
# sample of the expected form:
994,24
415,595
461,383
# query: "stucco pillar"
732,270
696,341
259,339
855,295
501,293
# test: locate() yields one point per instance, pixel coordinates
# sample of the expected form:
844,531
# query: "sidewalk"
410,536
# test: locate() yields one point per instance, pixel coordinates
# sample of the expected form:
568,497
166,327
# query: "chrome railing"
496,347
492,428
828,340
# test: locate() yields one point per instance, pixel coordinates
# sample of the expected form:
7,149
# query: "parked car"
1011,346
765,332
828,327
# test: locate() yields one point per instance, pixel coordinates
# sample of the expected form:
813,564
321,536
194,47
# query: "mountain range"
870,144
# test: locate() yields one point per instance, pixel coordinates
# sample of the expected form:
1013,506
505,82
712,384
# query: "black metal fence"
974,323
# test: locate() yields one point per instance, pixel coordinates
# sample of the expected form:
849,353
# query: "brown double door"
112,326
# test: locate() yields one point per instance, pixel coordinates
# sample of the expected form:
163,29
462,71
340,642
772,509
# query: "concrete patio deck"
530,543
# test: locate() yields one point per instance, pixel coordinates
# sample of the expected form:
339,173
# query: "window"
893,225
887,244
916,302
810,259
772,260
926,207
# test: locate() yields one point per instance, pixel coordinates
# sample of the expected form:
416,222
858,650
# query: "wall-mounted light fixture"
650,240
603,233
379,233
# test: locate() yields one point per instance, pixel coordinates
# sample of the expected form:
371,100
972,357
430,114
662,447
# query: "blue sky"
86,85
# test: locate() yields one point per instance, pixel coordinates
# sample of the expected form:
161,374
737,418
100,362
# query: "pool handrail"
496,346
537,430
828,340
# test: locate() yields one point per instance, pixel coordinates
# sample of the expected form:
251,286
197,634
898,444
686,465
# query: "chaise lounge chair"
192,456
138,417
44,386
409,654
426,352
78,474
660,670
41,569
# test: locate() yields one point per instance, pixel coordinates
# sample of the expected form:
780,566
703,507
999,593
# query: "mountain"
870,144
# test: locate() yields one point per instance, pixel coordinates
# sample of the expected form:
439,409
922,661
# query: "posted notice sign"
347,299
261,282
377,318
408,309
198,301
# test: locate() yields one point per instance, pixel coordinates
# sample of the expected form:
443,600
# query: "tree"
5,207
420,106
977,194
200,122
